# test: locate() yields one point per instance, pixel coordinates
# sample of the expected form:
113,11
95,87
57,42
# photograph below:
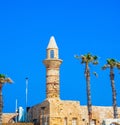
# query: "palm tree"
86,59
112,63
3,80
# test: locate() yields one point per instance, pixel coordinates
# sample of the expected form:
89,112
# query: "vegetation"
3,80
86,59
111,64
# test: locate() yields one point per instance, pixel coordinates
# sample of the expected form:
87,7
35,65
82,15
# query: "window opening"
52,54
74,121
65,121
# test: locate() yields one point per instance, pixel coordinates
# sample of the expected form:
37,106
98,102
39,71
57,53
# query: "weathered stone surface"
56,111
99,113
7,117
17,123
52,77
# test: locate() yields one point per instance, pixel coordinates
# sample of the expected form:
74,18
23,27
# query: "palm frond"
95,57
118,65
95,74
76,56
3,79
89,56
8,80
105,67
84,59
111,62
2,76
95,62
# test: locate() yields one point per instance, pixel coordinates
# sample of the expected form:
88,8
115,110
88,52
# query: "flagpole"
26,96
16,109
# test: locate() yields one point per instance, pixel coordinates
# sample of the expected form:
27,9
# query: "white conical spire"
52,43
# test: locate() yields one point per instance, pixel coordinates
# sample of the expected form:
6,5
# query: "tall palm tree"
111,64
86,59
3,80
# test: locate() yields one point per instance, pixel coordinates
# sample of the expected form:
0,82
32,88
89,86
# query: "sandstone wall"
64,111
58,112
17,124
7,117
35,113
99,113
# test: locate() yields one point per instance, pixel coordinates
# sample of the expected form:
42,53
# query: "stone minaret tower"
52,63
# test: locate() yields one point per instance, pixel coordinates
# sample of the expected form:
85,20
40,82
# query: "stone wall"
17,124
64,111
36,113
57,112
7,117
99,113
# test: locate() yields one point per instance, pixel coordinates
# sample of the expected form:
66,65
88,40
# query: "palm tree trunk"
1,104
89,105
113,93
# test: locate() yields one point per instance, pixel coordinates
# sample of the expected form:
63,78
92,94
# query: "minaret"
52,63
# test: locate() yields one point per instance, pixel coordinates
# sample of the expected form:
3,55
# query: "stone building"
54,111
9,117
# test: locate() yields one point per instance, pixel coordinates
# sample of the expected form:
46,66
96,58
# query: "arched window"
51,53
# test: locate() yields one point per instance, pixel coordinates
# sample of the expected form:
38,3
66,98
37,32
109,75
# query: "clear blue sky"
79,27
